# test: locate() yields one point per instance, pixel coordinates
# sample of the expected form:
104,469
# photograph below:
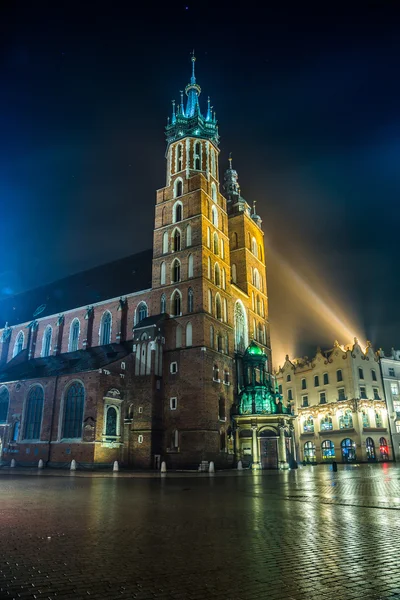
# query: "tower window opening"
197,161
215,244
176,271
177,212
179,158
176,304
176,240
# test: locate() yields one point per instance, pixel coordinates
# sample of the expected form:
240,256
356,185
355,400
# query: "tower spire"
193,77
173,112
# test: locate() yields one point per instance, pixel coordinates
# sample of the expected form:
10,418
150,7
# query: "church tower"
191,282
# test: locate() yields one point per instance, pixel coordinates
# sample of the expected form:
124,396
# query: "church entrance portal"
268,449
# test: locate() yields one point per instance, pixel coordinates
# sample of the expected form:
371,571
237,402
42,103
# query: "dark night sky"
308,104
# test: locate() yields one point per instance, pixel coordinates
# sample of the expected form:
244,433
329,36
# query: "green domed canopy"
253,349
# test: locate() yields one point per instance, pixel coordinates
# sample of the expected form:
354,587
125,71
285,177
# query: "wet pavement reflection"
305,534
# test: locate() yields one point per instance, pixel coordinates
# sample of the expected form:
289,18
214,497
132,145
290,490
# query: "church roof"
91,359
111,280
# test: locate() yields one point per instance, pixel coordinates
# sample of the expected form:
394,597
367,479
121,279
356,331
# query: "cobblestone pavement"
303,535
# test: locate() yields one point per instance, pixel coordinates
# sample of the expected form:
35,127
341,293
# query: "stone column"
282,448
256,457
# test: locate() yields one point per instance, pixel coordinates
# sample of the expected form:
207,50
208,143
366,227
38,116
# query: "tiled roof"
112,280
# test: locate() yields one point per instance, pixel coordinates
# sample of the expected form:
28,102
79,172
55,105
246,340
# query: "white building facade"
390,366
338,398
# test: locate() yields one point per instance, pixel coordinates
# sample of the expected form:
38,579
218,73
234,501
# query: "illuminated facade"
144,360
338,398
390,365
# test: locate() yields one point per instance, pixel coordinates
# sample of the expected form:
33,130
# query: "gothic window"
214,216
189,235
209,268
213,163
190,300
339,375
258,305
176,271
176,240
162,273
216,249
111,422
178,336
218,307
214,192
241,339
105,328
225,310
197,161
309,425
141,312
378,419
222,249
163,304
346,420
208,237
211,336
309,452
316,381
260,252
234,240
370,448
46,341
165,242
365,418
177,212
326,379
178,189
219,343
256,279
217,275
260,333
19,344
74,335
234,273
190,265
176,304
221,409
303,384
73,411
254,247
189,333
215,373
223,279
210,302
326,423
33,413
179,158
328,450
4,402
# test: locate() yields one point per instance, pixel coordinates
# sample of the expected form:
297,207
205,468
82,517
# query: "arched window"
346,420
223,279
219,342
190,265
225,310
74,335
260,252
176,240
258,305
218,307
179,158
15,433
383,448
141,312
197,153
33,413
221,409
189,334
365,418
213,192
163,304
348,448
370,449
215,373
177,212
165,242
208,237
209,268
217,275
111,422
216,249
256,279
46,341
162,273
213,163
211,336
73,411
328,450
234,240
234,273
260,333
176,304
164,216
190,300
241,332
4,403
214,216
189,235
222,248
309,452
178,336
378,419
176,271
309,425
326,423
178,188
105,329
254,247
19,344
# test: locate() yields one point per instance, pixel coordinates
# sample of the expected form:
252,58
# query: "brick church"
161,356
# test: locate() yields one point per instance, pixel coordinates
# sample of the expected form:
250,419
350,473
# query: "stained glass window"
73,411
33,413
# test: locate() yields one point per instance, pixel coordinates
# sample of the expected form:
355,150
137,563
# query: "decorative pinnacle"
230,160
254,207
193,79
